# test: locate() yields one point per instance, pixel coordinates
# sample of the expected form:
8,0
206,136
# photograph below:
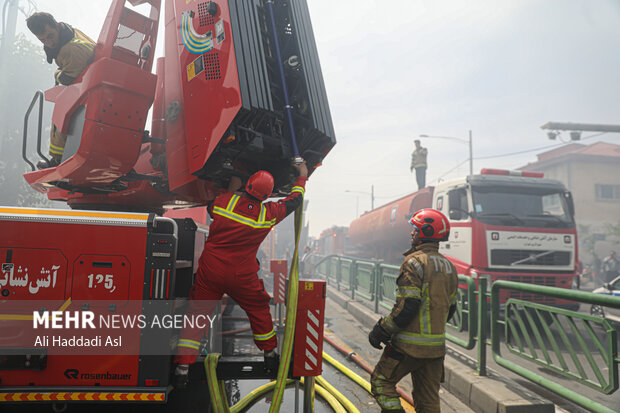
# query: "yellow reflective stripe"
56,151
80,214
389,403
261,216
408,292
298,189
243,220
232,203
83,42
389,325
263,337
420,339
189,344
229,213
99,397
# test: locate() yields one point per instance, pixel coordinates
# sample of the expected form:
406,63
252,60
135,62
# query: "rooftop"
606,150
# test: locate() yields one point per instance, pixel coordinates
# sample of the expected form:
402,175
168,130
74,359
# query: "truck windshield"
522,206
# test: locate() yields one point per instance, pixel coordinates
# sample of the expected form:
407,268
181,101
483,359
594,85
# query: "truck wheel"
597,311
60,407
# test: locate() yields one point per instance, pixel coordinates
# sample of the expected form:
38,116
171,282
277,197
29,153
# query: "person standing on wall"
418,162
415,331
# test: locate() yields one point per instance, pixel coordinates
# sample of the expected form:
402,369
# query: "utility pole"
372,197
471,156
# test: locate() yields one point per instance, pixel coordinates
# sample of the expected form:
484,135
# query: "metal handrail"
530,341
38,95
529,329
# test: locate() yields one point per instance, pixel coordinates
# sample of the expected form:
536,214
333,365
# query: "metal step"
242,368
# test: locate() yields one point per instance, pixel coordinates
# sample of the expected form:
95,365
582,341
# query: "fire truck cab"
510,225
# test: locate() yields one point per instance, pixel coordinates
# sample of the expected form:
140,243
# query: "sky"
397,69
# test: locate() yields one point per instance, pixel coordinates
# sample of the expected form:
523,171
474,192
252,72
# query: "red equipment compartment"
205,79
308,347
42,245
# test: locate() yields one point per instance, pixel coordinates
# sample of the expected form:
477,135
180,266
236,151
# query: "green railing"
579,347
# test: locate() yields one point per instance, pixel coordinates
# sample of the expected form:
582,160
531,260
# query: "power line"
457,166
535,149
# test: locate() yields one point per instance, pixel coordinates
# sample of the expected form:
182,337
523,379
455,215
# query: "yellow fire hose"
346,403
291,318
220,405
349,373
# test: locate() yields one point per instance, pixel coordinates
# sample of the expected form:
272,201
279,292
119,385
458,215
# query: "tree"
26,72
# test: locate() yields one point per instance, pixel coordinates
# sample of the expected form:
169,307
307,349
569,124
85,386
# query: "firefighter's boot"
272,361
44,164
180,380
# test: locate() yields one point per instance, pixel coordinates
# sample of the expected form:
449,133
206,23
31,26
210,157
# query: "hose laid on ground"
349,373
220,402
346,403
349,353
362,382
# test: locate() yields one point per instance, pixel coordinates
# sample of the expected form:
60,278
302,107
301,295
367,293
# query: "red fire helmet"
432,224
260,185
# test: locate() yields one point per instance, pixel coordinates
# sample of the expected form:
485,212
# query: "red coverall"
228,265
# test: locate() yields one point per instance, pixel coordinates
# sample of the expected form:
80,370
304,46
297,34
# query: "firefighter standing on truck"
73,52
228,263
414,332
418,162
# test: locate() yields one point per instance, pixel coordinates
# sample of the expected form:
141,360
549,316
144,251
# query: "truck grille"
547,281
507,257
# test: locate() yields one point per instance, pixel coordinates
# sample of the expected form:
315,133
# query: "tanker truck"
505,225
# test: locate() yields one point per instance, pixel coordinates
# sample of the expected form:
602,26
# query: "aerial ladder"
239,89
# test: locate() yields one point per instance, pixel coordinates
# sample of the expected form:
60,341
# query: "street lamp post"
468,141
372,197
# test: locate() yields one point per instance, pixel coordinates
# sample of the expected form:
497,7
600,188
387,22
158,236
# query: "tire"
597,311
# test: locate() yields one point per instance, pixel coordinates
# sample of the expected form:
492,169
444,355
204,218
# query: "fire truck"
239,89
505,225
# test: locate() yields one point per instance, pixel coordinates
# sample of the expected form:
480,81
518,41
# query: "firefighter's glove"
378,335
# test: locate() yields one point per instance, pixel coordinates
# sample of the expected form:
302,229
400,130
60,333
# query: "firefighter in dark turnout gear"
228,263
414,331
73,51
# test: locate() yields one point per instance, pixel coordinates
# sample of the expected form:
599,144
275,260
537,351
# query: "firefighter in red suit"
228,263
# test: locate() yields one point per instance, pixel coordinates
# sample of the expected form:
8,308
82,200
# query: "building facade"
592,174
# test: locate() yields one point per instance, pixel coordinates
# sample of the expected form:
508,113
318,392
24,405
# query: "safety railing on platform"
579,347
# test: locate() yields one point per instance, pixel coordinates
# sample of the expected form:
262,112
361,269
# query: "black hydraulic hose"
287,106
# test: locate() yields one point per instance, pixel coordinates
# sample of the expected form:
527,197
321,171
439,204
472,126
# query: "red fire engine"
505,225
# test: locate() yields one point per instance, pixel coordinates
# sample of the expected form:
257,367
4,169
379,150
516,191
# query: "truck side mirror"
571,205
457,204
607,286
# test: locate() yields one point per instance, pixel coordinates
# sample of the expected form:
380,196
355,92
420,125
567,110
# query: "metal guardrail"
555,338
579,347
